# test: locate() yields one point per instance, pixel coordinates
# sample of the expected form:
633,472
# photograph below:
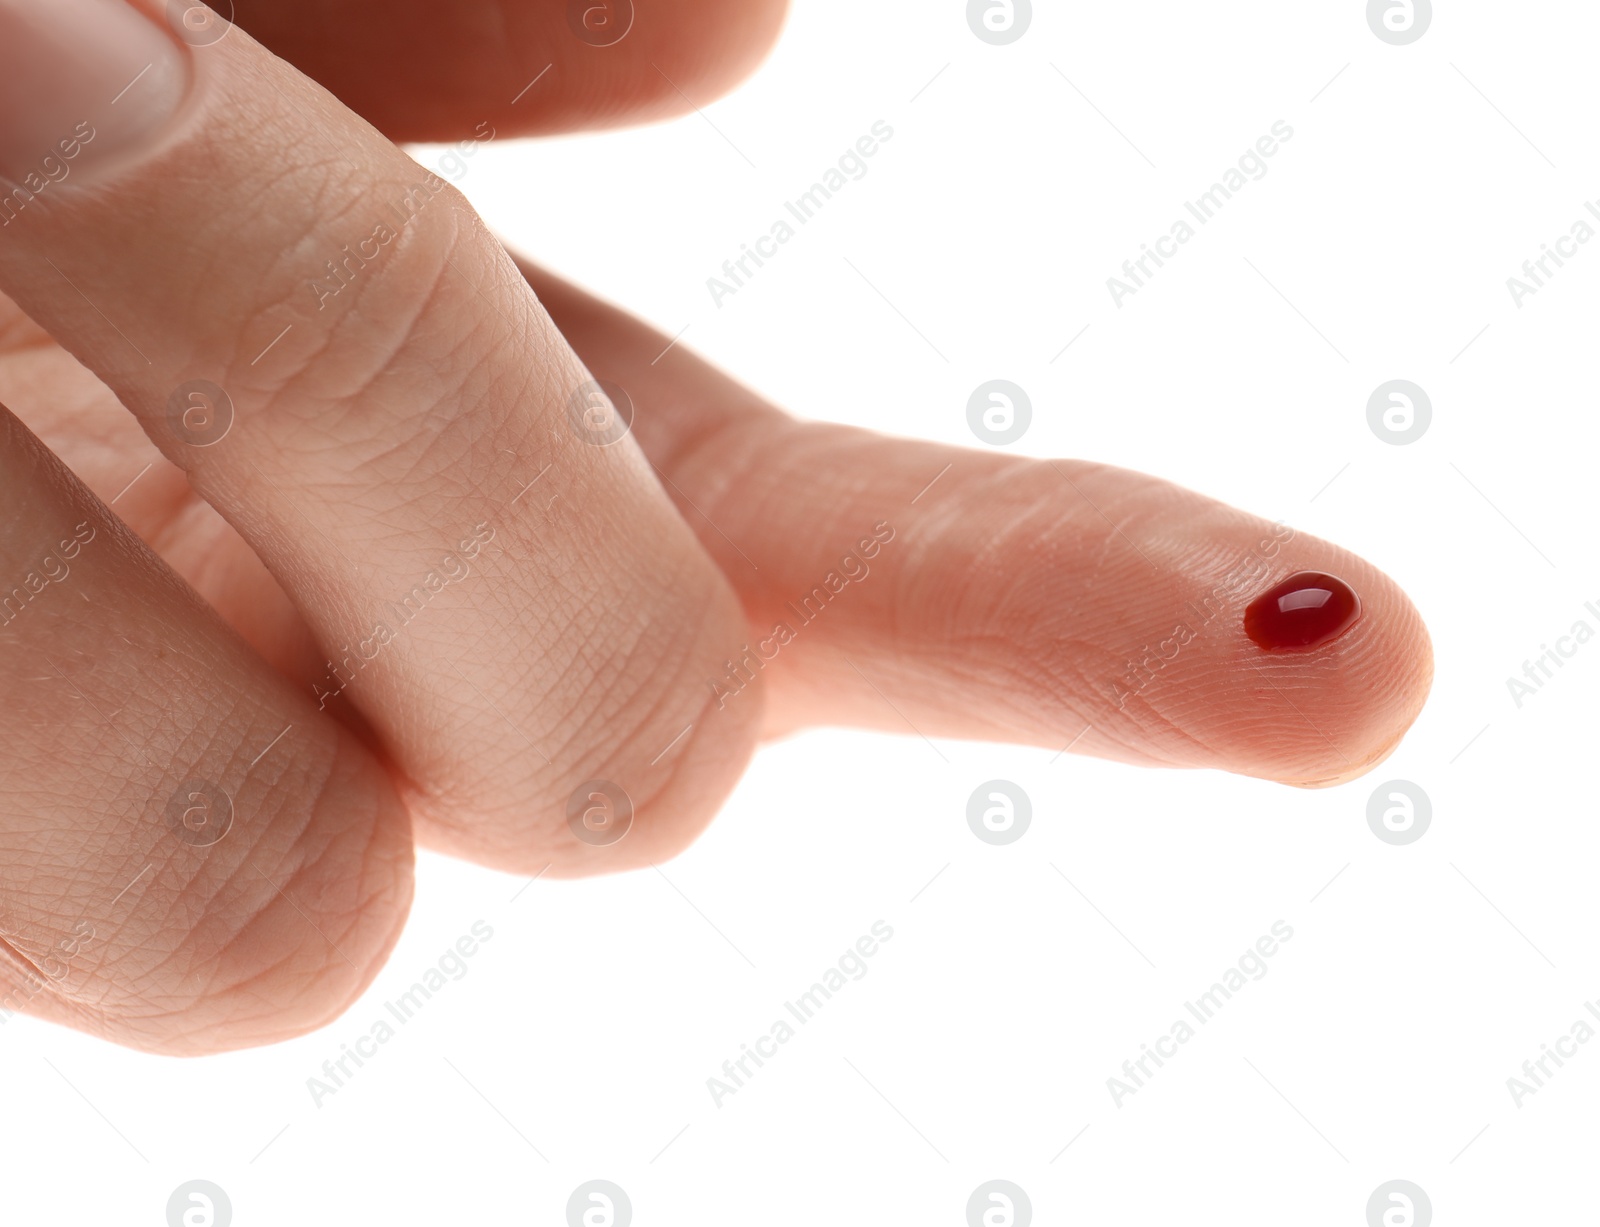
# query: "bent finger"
192,858
350,369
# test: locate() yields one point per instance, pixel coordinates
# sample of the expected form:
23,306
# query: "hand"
459,602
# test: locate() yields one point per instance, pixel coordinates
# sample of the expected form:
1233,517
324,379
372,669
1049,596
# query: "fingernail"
80,81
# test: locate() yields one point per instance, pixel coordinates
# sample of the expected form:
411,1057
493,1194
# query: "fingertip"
1397,679
1313,715
550,68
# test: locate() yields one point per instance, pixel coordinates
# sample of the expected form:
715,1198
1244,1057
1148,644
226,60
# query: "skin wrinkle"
581,729
677,666
1190,539
24,966
214,247
1170,731
563,729
216,717
305,383
726,448
330,210
451,428
1039,681
122,975
607,583
180,938
681,755
274,976
925,531
426,299
439,454
186,928
198,896
289,874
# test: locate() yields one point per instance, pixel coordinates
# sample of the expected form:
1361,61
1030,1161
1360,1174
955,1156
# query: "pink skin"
407,433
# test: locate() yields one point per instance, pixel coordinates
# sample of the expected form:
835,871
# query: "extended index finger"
919,588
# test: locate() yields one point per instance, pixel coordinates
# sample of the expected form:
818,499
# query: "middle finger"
351,370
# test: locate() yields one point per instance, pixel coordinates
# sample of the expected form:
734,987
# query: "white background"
979,1043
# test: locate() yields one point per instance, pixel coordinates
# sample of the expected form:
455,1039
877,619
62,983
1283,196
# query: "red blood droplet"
1304,611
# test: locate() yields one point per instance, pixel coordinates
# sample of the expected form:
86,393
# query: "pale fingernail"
80,81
